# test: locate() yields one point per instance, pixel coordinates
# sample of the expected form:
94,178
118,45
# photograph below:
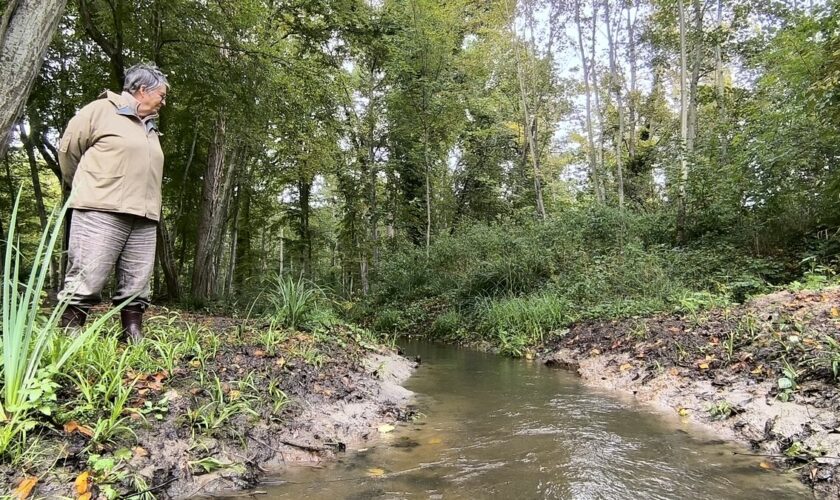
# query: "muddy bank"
764,373
219,423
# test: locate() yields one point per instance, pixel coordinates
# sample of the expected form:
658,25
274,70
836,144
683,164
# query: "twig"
769,455
151,489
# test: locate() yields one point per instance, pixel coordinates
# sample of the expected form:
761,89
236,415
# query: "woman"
110,156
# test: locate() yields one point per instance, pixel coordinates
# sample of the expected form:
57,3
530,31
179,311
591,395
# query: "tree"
26,29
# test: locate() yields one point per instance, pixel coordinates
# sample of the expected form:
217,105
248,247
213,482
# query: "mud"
723,369
335,402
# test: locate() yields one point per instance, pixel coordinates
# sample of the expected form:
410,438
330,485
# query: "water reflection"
500,428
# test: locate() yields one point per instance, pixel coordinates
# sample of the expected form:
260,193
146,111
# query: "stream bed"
492,427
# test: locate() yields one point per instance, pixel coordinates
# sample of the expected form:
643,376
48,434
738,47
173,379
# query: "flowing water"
499,428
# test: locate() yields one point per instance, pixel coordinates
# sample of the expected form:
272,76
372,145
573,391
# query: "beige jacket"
112,159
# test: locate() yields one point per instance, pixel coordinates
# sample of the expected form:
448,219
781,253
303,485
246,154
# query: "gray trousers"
99,241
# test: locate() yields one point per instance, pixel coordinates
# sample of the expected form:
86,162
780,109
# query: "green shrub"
447,324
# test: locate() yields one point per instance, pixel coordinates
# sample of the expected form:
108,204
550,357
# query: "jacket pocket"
98,190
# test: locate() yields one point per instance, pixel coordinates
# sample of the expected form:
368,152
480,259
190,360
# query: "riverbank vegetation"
493,172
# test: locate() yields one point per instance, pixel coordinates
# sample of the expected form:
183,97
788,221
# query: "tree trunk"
26,30
593,162
428,190
598,111
167,262
304,192
234,239
39,197
696,63
616,84
631,101
112,48
719,87
244,266
216,188
683,178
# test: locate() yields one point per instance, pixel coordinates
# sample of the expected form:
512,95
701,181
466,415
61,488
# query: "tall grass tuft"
26,383
292,301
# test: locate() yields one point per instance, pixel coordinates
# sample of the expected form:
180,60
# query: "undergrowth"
514,285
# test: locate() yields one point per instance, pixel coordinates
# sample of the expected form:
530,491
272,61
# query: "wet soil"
764,373
336,400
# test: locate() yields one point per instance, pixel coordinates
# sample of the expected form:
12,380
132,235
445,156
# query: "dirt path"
764,373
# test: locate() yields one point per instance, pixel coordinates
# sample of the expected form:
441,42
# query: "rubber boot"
73,317
132,323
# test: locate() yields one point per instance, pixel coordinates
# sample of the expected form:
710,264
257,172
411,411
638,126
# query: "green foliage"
28,335
531,317
293,302
517,283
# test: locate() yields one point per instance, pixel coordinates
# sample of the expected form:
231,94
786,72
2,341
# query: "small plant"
113,425
833,351
723,410
279,399
271,338
512,345
309,354
787,382
210,464
214,416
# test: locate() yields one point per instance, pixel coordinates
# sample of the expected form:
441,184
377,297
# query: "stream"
492,427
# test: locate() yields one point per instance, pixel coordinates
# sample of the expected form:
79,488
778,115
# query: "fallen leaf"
196,363
625,367
259,353
386,428
435,441
375,472
24,489
85,496
765,465
683,412
758,369
835,312
234,394
595,352
82,483
140,451
73,426
704,366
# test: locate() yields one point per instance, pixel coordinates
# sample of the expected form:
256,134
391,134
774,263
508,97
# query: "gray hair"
144,75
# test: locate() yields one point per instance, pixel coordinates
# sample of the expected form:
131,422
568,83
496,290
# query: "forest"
490,173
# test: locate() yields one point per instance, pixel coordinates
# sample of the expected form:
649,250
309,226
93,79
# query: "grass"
27,335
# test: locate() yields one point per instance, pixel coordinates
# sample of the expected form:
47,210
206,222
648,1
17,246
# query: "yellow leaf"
85,496
234,394
835,312
765,465
704,366
758,369
386,428
683,412
25,487
435,441
196,363
625,367
375,472
82,483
